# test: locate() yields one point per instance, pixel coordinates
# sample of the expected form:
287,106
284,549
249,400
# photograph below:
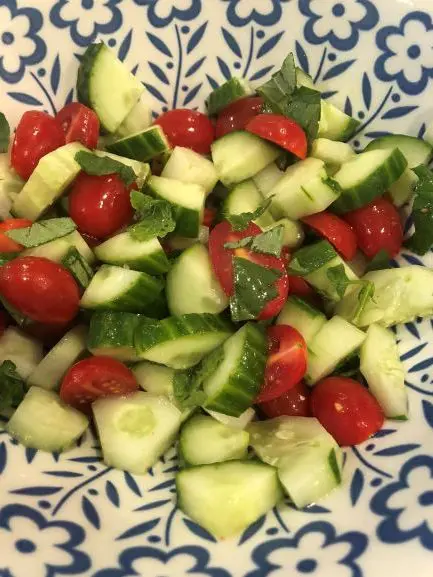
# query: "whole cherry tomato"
237,115
187,128
80,124
6,243
295,402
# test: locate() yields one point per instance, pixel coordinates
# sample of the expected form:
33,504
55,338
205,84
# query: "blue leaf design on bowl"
196,38
199,531
3,456
159,72
213,83
159,44
192,94
132,484
427,409
90,512
153,505
269,44
384,433
112,493
366,90
225,70
125,46
397,450
398,112
55,75
64,474
348,107
139,529
38,491
252,530
194,67
302,57
163,485
24,98
338,69
261,73
356,486
231,42
30,454
155,92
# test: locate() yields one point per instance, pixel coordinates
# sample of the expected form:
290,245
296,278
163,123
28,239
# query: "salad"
223,281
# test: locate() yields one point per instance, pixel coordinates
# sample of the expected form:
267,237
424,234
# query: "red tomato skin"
36,135
187,128
40,289
237,115
100,205
286,364
377,226
280,130
295,402
335,230
346,409
93,378
6,243
80,124
209,217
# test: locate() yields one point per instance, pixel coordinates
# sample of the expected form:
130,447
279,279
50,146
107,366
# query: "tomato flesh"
187,128
335,230
6,243
377,227
295,402
286,364
93,378
40,289
80,124
36,135
100,205
346,409
237,115
280,130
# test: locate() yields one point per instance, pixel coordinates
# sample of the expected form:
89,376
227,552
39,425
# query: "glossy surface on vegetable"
280,130
187,128
237,115
6,243
334,229
80,124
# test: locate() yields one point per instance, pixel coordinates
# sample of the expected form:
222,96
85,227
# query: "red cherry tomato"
222,263
295,402
80,124
187,128
209,217
237,115
280,130
40,289
300,288
36,135
335,230
100,205
377,226
346,409
6,243
93,378
286,364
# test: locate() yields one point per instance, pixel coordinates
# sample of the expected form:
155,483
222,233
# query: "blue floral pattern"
243,12
162,12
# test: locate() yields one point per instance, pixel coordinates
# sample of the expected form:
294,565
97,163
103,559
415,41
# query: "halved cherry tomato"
40,289
286,364
294,403
96,377
237,115
80,124
209,217
300,288
346,409
222,263
6,243
377,226
334,229
187,128
100,205
36,135
280,130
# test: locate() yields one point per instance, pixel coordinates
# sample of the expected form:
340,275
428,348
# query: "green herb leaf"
380,261
282,84
155,217
241,221
270,241
366,293
5,133
186,389
42,232
12,389
78,267
254,289
242,242
311,257
337,275
422,212
102,165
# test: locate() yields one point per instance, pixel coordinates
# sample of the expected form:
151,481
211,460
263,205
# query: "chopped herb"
311,257
241,221
186,389
380,261
366,293
42,232
304,107
78,267
254,289
337,275
268,242
12,389
102,165
5,133
282,84
422,212
155,217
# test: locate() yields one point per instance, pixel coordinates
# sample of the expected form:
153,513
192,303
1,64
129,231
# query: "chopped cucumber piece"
136,430
22,350
416,150
187,201
402,189
203,441
332,153
225,498
105,84
293,235
190,167
142,146
182,242
141,169
266,179
383,370
124,250
335,124
234,384
233,89
234,422
111,334
10,185
50,371
194,269
137,120
366,177
240,155
245,197
302,316
42,421
181,342
57,249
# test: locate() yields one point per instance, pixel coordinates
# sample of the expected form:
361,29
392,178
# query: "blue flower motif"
20,44
24,531
240,12
315,548
187,560
407,53
406,505
338,23
162,12
86,19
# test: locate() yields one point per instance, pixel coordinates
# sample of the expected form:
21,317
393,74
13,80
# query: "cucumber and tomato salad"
260,316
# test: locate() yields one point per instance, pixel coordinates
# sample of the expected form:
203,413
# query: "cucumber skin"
155,263
243,386
112,330
85,73
132,146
